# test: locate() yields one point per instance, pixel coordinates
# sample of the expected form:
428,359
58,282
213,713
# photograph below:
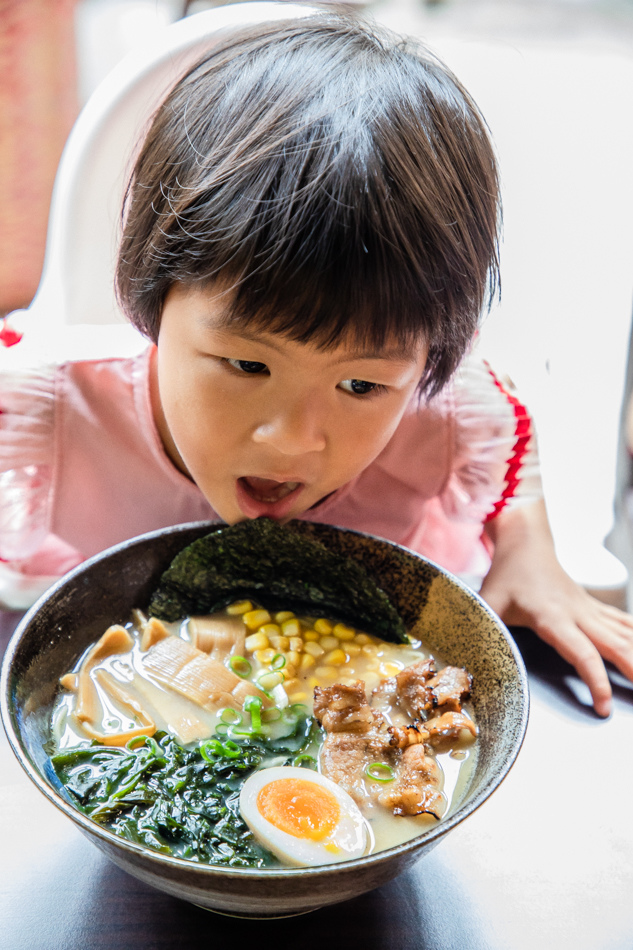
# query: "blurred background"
53,53
554,79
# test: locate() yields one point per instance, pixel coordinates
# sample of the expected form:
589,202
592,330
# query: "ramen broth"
279,660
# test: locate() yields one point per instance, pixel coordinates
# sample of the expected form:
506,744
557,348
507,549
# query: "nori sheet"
280,569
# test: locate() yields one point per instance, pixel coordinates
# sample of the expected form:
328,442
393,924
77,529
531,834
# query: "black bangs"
338,180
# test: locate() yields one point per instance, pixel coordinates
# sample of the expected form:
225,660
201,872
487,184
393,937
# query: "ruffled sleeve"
26,457
31,557
495,461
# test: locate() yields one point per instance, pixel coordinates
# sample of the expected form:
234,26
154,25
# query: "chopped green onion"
135,741
147,741
268,679
231,716
380,772
222,729
278,662
210,749
231,750
240,666
253,705
271,715
305,761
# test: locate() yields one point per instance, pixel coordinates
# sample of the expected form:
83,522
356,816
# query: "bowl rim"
92,828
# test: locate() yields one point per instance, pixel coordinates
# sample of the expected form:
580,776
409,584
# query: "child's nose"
293,429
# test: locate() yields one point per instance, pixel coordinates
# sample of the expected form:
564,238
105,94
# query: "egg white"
350,839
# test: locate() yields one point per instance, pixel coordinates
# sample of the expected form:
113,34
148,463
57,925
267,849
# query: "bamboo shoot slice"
190,672
218,636
117,692
116,639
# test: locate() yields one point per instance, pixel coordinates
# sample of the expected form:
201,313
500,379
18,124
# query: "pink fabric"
83,434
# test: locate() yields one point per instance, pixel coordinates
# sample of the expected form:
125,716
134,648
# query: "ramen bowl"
450,619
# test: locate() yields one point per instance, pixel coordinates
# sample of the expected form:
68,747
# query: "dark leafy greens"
280,569
181,802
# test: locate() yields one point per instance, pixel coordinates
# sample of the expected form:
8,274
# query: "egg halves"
303,817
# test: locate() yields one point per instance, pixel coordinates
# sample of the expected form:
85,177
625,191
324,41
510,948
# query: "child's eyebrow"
399,353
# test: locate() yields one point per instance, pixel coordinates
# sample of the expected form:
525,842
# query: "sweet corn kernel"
256,641
314,649
307,662
352,649
344,632
270,629
240,607
369,649
362,638
289,671
296,644
372,666
298,697
347,680
323,626
291,628
310,636
335,657
270,680
292,684
280,643
329,643
255,618
265,656
293,658
312,682
389,669
327,674
372,680
282,615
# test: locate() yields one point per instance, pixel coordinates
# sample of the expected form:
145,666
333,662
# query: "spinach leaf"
176,800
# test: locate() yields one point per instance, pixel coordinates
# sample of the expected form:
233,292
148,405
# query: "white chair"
76,290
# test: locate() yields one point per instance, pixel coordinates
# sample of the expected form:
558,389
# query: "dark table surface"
547,862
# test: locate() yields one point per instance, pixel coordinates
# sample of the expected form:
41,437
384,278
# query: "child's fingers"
579,650
611,631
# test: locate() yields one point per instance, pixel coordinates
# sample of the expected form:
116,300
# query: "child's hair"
337,177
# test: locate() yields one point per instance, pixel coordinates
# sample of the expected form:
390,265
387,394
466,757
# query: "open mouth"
266,496
267,490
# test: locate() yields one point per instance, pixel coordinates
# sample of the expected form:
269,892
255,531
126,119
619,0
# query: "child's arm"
527,586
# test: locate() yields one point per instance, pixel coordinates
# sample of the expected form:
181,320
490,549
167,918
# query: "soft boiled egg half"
302,817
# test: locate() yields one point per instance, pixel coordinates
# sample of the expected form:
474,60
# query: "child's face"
265,425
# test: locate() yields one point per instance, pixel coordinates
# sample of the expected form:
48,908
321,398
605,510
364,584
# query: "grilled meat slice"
356,736
416,789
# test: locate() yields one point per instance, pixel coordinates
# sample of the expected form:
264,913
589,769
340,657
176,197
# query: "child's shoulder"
33,395
25,382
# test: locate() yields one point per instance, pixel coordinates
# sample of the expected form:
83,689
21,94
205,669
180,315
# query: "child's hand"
527,586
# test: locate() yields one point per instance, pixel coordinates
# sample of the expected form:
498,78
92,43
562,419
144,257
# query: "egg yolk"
300,808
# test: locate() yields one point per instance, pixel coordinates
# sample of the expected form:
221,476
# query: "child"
310,237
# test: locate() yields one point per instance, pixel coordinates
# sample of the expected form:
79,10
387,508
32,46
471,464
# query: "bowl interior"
451,620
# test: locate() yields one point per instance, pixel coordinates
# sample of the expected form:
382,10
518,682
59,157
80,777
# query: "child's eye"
359,387
247,366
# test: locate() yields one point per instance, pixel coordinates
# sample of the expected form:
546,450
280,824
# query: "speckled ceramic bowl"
451,620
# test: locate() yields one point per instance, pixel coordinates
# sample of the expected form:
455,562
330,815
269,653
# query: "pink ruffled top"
82,467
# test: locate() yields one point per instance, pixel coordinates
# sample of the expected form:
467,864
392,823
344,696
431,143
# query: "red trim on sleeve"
9,336
523,433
